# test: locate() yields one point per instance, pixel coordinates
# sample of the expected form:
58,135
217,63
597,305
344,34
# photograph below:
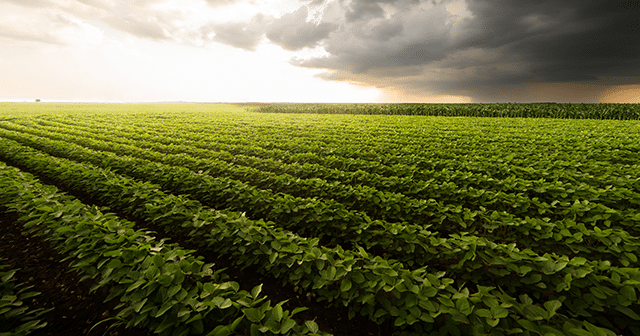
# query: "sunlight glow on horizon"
217,73
626,94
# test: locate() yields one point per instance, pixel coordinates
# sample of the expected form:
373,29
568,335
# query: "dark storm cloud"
470,47
563,40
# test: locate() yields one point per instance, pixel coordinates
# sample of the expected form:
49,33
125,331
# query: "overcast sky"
320,51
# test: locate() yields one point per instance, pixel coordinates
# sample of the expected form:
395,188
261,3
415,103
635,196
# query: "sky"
434,51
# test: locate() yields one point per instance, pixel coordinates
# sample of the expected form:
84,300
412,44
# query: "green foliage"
433,225
160,286
316,269
539,110
16,318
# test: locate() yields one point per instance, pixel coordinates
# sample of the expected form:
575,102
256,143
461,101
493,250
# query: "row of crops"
15,317
515,110
422,225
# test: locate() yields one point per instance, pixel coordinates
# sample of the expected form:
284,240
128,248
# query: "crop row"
580,157
16,318
546,213
404,244
225,193
570,266
407,241
160,286
365,278
445,185
466,189
541,110
391,206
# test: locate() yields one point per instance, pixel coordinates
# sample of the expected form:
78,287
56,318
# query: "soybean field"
293,219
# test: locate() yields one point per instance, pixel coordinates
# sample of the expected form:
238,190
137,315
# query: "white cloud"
46,25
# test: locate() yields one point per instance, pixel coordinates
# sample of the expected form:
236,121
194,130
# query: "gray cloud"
363,10
293,32
402,35
239,34
562,40
471,48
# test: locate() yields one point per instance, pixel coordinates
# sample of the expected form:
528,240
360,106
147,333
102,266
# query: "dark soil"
333,320
75,309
